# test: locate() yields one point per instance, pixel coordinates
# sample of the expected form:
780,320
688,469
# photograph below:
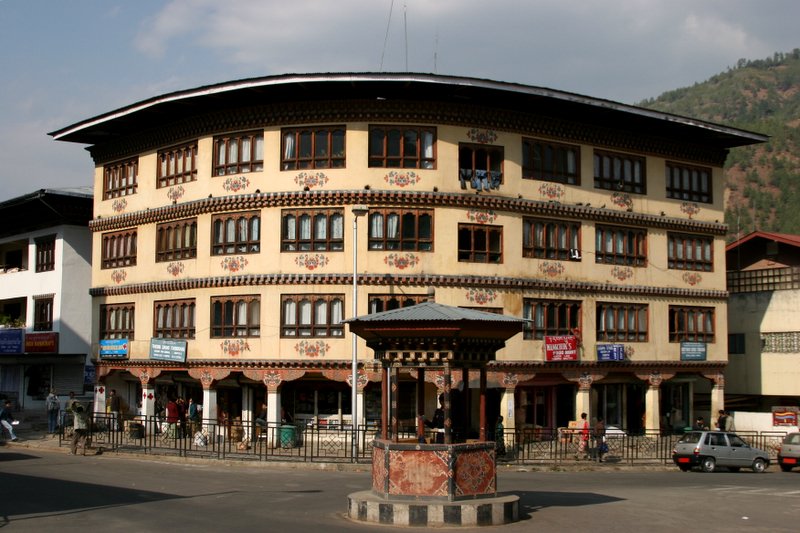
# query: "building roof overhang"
46,208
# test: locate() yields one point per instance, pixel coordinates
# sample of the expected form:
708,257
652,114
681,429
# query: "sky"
63,61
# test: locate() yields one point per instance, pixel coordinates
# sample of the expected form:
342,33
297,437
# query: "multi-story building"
223,260
45,272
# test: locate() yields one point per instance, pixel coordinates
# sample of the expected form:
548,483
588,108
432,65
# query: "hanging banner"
560,348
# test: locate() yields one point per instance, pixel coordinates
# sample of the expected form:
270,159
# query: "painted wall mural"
118,276
312,349
552,269
175,268
234,347
622,273
311,179
482,296
401,261
311,261
233,264
402,178
690,208
119,205
481,216
551,191
236,184
175,193
481,136
622,200
692,278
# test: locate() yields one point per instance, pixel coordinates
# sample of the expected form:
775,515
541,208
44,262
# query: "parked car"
710,449
789,452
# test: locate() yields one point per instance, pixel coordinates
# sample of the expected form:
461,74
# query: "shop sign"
41,342
89,375
610,352
11,340
560,348
784,416
168,350
113,348
693,351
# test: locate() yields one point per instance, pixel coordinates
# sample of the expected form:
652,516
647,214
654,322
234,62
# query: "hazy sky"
63,61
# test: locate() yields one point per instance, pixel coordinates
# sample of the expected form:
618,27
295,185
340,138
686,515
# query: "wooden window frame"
478,167
377,303
250,244
556,167
45,253
120,178
177,165
225,163
168,235
624,313
119,249
682,250
686,182
407,236
174,319
690,323
316,328
387,151
43,313
473,254
551,239
558,317
615,171
632,240
228,322
128,314
314,242
313,147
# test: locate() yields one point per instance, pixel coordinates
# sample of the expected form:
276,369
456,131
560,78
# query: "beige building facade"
225,242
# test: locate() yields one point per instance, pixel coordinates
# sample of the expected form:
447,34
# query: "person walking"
53,405
584,438
599,434
729,425
115,406
722,420
500,438
7,420
80,432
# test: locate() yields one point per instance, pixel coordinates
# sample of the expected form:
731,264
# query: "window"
46,253
387,302
402,147
736,344
691,324
621,246
551,239
312,315
480,165
177,165
690,252
550,317
312,229
119,249
619,172
239,153
401,229
688,183
119,179
478,243
550,161
116,321
176,240
236,233
43,313
174,319
621,322
313,148
235,316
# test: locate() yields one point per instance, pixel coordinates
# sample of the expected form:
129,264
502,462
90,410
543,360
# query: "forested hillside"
763,181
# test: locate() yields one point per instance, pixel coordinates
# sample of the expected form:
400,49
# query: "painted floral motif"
175,268
692,278
629,351
361,378
623,200
481,136
551,191
234,346
403,178
690,209
236,183
311,261
118,276
481,296
622,273
272,378
119,205
175,193
401,261
481,216
311,179
312,349
551,268
234,264
510,379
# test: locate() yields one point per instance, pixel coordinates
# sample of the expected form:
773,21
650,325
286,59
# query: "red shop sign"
560,348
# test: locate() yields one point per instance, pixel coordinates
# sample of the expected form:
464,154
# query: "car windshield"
691,438
792,438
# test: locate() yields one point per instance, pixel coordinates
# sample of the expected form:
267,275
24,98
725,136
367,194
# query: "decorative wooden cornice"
666,367
420,199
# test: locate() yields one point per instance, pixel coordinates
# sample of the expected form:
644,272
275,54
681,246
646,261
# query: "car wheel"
786,468
733,469
759,465
708,464
684,468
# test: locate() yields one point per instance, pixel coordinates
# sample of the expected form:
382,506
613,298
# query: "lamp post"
357,210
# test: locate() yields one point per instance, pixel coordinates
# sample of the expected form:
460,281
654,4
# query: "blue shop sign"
168,350
113,348
693,351
610,352
12,340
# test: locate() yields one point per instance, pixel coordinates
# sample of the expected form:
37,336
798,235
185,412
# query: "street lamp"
358,210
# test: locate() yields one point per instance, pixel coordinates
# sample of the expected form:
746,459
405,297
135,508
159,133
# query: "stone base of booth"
366,506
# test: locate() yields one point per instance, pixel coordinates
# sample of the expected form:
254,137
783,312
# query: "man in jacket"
7,419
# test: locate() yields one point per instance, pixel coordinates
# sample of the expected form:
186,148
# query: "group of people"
597,435
56,412
183,417
724,422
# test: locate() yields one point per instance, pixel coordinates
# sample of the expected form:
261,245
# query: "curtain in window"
289,312
392,226
305,312
321,227
337,311
376,226
305,227
289,227
337,226
288,146
320,313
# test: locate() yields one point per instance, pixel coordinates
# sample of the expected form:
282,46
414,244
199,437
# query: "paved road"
45,490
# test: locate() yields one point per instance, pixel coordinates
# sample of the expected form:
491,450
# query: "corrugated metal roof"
434,312
786,238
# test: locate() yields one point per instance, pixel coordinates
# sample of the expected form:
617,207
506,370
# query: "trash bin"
136,431
287,436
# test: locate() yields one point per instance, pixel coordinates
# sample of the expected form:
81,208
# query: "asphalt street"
47,490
